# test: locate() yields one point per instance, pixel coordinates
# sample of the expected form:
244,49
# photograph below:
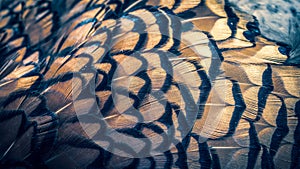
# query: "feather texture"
143,84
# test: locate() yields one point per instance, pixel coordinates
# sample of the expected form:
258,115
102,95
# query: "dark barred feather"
144,84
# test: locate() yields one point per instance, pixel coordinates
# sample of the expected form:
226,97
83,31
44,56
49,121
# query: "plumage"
144,84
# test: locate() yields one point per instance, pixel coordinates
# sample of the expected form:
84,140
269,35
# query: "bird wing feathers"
114,84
